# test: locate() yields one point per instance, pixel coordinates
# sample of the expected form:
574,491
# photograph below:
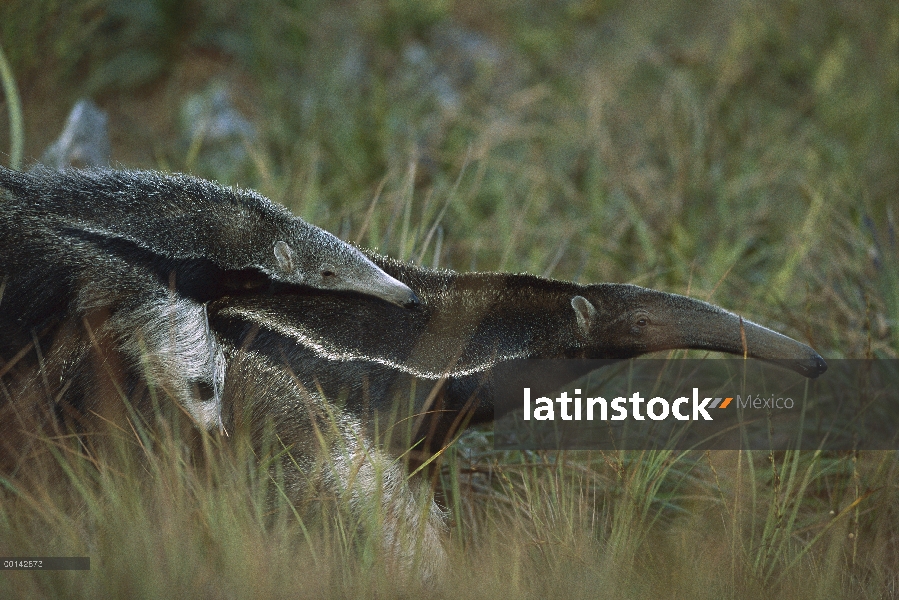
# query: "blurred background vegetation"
742,149
745,152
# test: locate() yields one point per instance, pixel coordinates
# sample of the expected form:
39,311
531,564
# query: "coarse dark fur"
288,357
324,454
183,218
325,450
467,324
139,254
443,354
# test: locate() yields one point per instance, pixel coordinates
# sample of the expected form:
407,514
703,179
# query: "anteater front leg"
169,341
163,337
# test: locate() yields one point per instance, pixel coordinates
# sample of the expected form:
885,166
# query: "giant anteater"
470,322
286,352
322,347
141,253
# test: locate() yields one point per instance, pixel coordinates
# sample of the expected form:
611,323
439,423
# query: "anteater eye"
328,274
642,322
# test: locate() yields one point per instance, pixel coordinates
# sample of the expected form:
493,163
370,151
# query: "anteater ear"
284,256
584,312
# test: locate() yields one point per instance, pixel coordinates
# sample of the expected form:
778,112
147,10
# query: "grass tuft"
744,154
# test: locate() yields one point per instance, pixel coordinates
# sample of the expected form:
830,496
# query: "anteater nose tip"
412,301
813,367
820,366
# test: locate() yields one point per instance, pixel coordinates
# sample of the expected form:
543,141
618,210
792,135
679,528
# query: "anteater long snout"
394,291
769,345
707,327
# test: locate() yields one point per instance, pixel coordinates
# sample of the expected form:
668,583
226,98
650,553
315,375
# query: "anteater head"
619,321
327,263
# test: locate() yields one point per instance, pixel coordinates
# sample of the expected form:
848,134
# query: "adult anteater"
340,361
467,324
286,353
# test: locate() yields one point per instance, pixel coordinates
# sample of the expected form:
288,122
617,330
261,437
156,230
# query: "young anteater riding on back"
133,257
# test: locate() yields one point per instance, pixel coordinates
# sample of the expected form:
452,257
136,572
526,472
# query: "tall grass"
742,154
